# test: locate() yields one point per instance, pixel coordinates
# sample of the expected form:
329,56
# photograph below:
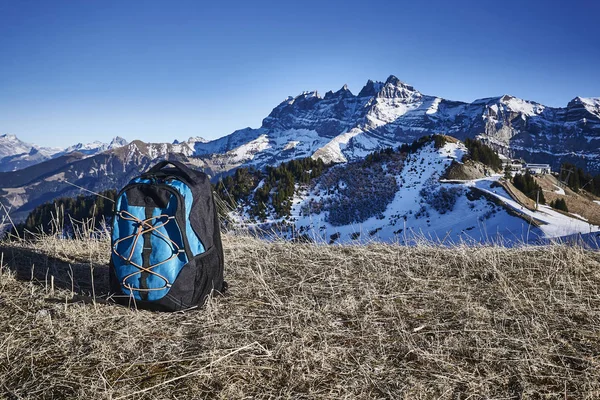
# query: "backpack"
166,245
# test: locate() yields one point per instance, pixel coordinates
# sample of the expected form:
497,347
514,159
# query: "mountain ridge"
337,127
341,126
16,154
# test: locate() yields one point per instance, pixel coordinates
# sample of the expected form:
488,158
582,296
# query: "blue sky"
164,70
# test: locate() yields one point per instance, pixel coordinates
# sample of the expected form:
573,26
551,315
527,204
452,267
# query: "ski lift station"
538,169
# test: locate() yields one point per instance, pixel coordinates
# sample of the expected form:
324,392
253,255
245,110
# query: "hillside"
582,204
436,188
308,321
405,195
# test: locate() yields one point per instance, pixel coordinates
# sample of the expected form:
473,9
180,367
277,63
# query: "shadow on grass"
87,281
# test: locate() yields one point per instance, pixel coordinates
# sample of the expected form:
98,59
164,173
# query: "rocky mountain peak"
585,107
117,142
343,93
11,145
370,89
395,88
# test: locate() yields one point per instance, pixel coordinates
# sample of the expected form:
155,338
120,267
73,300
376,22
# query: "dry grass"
307,321
581,203
517,195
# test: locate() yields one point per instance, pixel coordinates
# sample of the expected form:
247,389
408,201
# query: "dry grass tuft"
308,321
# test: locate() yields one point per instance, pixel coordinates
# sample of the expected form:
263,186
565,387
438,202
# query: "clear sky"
78,71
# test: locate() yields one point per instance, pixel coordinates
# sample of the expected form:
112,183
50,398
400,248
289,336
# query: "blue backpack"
166,245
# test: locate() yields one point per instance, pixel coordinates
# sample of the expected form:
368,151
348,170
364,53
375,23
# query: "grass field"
304,321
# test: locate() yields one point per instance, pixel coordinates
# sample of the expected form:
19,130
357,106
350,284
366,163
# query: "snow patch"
247,151
291,144
559,190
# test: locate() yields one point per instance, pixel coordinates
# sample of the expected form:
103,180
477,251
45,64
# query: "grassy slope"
303,321
581,203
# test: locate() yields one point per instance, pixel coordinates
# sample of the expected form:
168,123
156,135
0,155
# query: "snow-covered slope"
420,206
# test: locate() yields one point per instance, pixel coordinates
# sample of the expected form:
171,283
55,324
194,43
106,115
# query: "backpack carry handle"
184,169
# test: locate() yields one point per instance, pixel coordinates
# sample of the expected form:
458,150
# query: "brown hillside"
468,170
581,203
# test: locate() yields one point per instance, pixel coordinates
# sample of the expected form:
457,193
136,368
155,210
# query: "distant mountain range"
16,154
337,127
341,126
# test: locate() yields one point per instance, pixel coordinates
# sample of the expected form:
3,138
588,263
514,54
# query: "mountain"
336,128
16,154
66,175
405,196
95,147
341,126
11,145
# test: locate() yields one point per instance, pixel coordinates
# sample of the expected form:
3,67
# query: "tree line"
277,188
64,211
530,188
478,151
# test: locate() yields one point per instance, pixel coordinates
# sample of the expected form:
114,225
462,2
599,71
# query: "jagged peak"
591,104
309,94
117,141
342,93
196,139
392,79
391,88
371,88
586,100
394,88
302,96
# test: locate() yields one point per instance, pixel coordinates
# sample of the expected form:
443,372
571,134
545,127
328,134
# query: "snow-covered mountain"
95,147
336,127
62,176
10,145
406,199
341,126
16,154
